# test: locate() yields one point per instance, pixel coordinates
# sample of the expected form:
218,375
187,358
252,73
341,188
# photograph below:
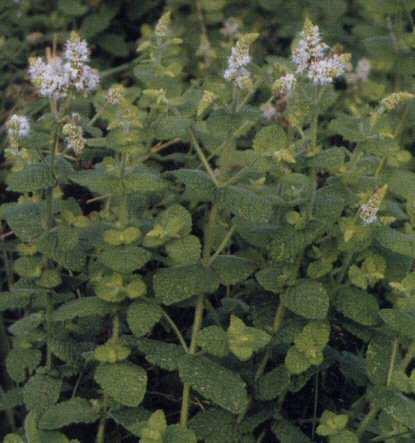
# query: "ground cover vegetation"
208,221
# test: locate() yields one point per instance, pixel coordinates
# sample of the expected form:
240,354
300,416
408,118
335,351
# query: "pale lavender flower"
18,126
314,58
74,138
76,50
324,71
309,48
56,76
237,62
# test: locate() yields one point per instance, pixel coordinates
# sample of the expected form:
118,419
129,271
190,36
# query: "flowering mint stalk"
368,211
18,127
314,58
57,76
236,71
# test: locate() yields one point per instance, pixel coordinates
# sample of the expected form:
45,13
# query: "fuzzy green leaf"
75,410
41,392
232,269
178,283
32,178
164,355
358,305
214,382
124,382
124,259
308,299
82,307
142,315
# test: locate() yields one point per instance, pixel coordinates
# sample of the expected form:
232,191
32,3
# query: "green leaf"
75,410
403,322
312,340
25,220
22,362
155,428
98,20
184,251
215,426
232,269
214,382
270,140
396,241
308,299
289,433
41,392
246,204
114,44
243,340
124,382
179,283
125,259
164,355
170,126
33,178
287,244
378,357
273,383
73,8
14,300
395,404
328,205
144,181
13,438
82,307
213,340
344,437
358,305
142,315
296,362
199,186
401,183
179,434
330,159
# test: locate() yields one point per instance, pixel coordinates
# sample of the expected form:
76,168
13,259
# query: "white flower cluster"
314,59
74,135
237,62
284,85
18,126
368,211
56,76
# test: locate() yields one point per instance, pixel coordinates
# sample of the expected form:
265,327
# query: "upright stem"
276,326
392,362
101,431
198,316
49,226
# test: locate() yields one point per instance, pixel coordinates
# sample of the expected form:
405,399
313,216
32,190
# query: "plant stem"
408,357
222,246
49,226
176,331
392,361
101,431
198,316
278,319
203,159
365,423
197,322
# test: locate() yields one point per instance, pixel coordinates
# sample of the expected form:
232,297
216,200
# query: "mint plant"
194,254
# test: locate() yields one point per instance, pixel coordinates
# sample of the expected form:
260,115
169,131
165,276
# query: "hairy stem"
198,316
278,319
365,423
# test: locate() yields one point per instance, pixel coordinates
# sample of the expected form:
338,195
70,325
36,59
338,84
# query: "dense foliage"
208,221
